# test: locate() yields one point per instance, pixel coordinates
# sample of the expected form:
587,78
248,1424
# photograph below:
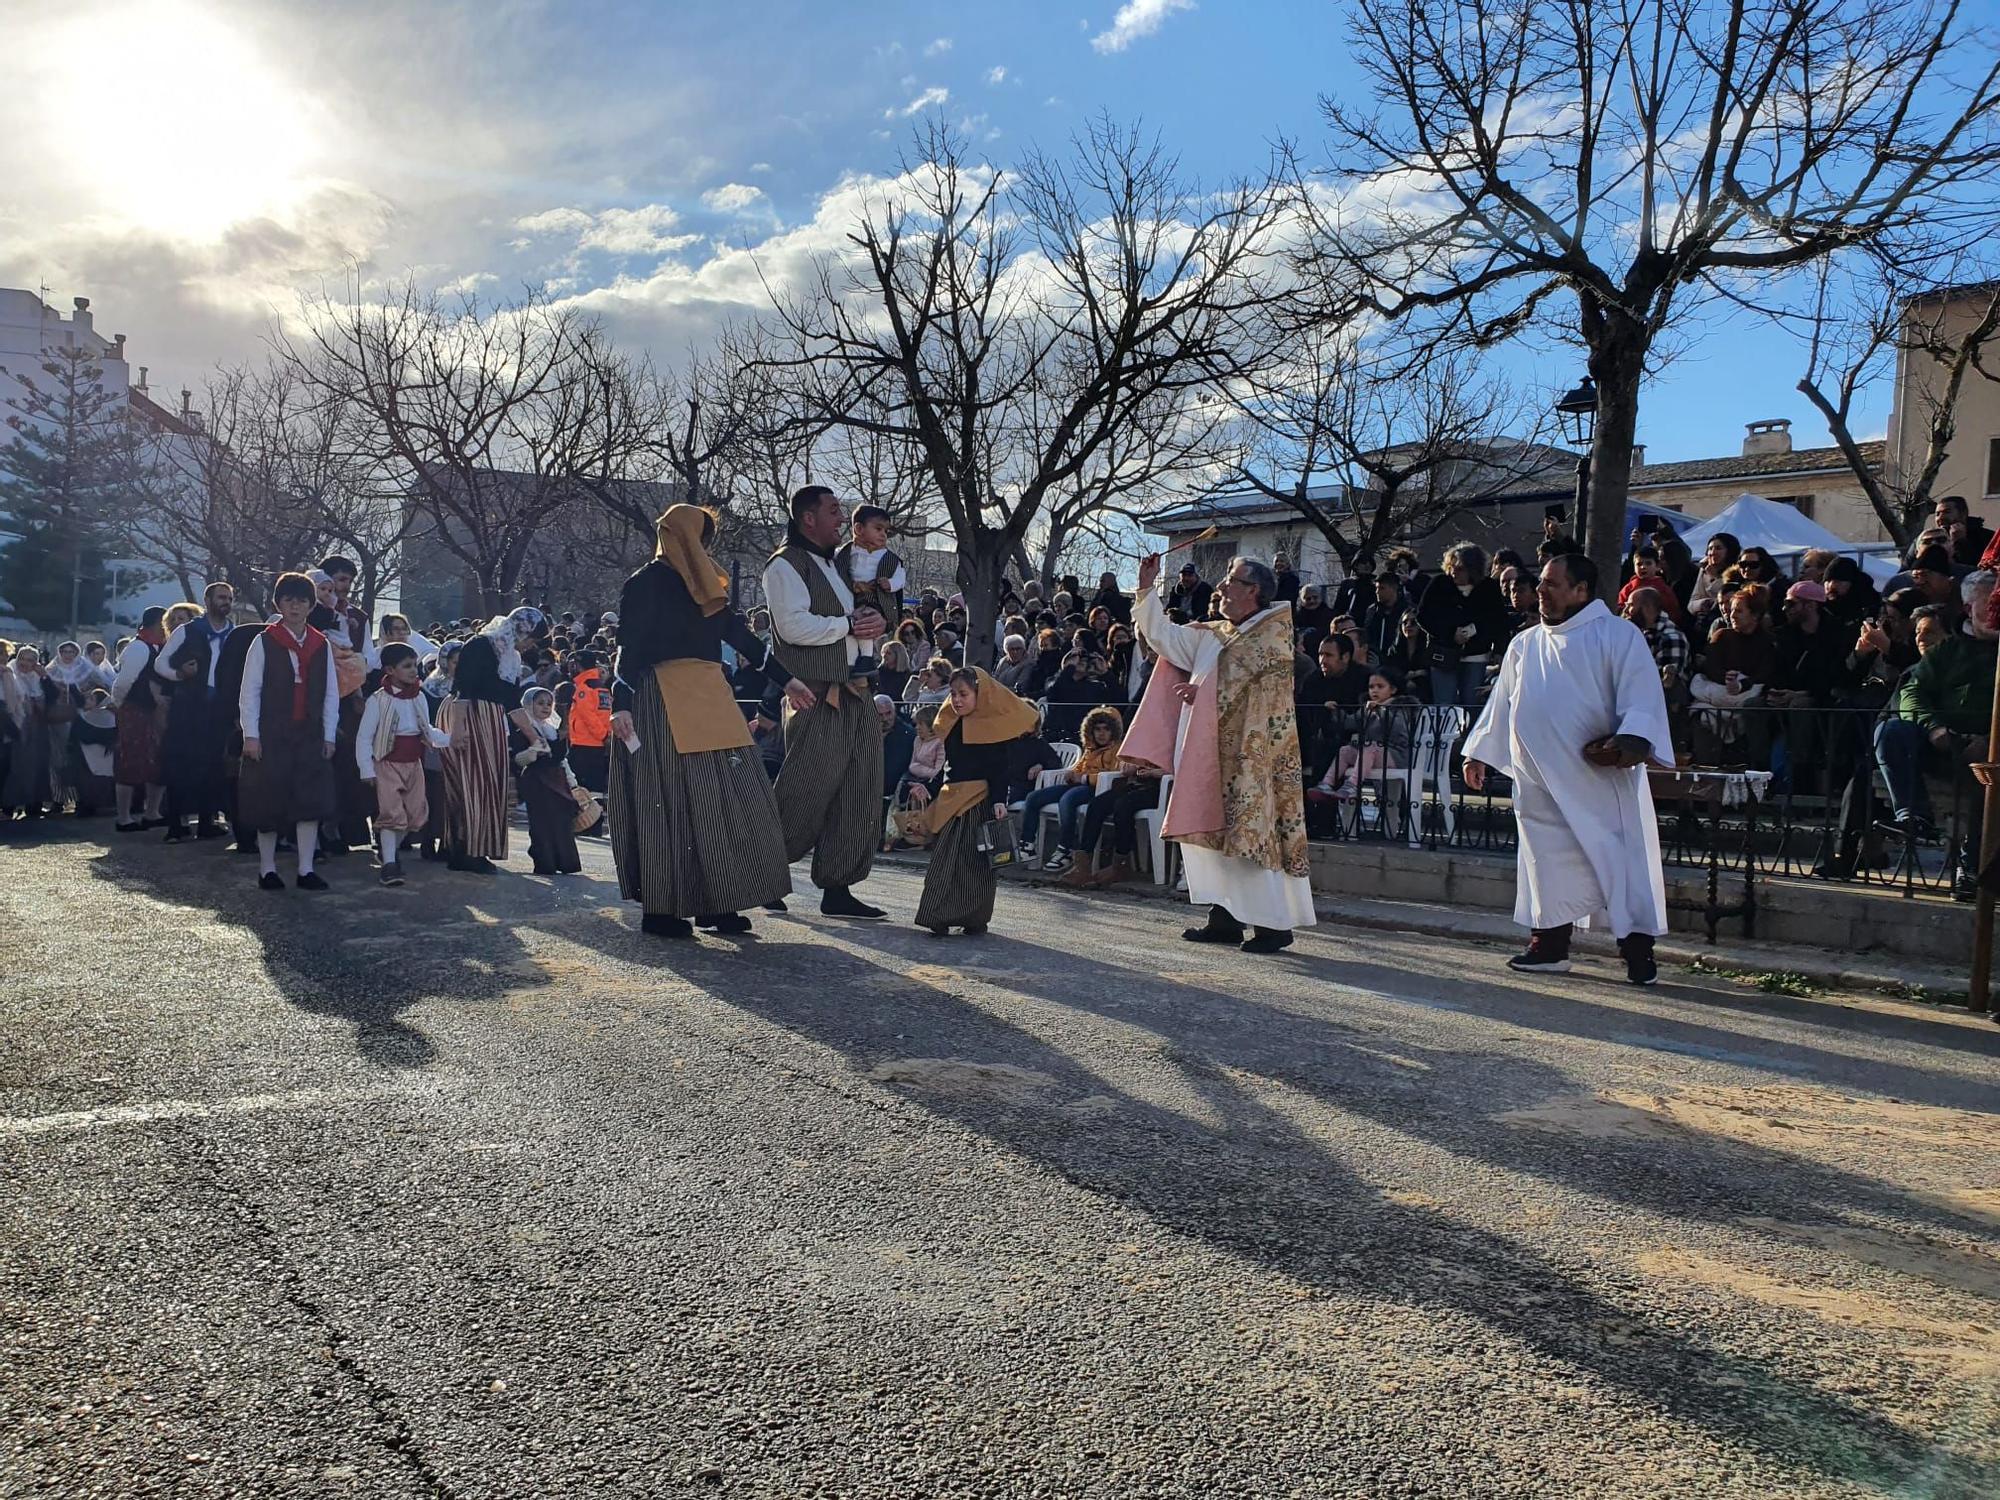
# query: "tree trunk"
982,559
1617,364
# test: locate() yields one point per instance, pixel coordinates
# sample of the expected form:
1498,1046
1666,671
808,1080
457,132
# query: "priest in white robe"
1577,712
1237,806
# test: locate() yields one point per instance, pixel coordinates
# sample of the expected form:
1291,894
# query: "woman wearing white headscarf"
26,696
540,749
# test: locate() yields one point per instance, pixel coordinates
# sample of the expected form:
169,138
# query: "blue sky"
191,165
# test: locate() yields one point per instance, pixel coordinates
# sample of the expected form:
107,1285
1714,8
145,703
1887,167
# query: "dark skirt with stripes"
959,885
692,835
475,780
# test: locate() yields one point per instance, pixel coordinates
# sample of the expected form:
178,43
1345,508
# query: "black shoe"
209,831
543,870
138,827
1221,928
1540,957
840,902
725,923
392,872
1268,940
335,847
271,882
175,833
666,927
940,930
471,864
979,930
777,905
312,882
1640,966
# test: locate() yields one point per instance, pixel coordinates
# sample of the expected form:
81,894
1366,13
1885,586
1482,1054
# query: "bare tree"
1384,445
486,415
1941,337
1015,330
1642,157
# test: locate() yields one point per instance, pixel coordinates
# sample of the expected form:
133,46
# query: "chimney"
118,339
187,404
82,317
1638,456
142,378
1767,437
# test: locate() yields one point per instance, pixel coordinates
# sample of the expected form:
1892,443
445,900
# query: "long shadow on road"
1261,1191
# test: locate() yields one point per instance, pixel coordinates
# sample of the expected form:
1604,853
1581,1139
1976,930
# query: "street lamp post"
1577,412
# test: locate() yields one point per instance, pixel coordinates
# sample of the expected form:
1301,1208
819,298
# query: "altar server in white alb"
1577,712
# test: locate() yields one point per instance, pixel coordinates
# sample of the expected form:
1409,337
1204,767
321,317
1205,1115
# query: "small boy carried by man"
874,573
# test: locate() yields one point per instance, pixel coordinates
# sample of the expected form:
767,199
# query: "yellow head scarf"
998,716
680,548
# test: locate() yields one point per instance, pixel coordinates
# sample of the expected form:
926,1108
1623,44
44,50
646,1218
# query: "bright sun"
170,121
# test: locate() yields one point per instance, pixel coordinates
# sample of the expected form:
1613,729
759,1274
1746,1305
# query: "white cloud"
939,47
615,231
759,168
1136,19
996,75
732,197
928,99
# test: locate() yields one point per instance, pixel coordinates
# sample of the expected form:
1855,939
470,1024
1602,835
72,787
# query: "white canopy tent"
1784,533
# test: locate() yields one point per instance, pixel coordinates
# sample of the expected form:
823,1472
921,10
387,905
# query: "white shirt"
250,702
790,603
862,566
413,717
179,639
131,662
1590,845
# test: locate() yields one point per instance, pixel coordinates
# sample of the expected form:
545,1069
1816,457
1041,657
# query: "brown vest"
812,664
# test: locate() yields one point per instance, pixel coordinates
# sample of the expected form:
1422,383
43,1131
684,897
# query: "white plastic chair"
1438,729
1067,755
1153,820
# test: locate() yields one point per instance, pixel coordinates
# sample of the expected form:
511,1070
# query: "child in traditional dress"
542,773
874,573
389,752
290,710
93,741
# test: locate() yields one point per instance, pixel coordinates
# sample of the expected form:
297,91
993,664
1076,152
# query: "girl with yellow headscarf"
694,825
977,723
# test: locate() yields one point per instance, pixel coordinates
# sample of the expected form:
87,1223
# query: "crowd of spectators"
1815,676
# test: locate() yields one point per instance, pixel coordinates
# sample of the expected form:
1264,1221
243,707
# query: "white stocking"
267,852
156,800
123,796
308,835
389,839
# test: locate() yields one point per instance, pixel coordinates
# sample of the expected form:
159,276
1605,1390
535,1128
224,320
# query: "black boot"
840,902
666,927
723,922
1221,928
1268,940
1640,967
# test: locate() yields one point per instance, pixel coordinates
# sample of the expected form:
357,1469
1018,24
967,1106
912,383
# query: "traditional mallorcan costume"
959,885
541,769
694,824
475,767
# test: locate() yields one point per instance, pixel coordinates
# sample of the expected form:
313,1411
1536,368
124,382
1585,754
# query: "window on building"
1993,466
1803,504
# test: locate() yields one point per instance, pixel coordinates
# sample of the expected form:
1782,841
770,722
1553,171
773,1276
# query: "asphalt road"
471,1189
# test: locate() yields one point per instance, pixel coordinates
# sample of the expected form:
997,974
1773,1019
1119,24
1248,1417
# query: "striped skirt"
959,885
692,835
475,781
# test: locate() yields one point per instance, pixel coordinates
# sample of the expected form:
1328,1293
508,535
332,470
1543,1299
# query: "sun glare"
170,121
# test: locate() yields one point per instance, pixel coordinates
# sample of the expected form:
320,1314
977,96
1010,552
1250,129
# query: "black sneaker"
665,926
1059,859
271,882
392,872
842,903
1268,940
312,882
1640,966
1541,957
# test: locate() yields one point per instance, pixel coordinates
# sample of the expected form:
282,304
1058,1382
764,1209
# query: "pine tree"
70,459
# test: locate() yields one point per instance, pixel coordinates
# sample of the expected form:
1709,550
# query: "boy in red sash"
290,707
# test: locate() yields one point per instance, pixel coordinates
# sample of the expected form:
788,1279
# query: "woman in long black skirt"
540,748
694,824
978,722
